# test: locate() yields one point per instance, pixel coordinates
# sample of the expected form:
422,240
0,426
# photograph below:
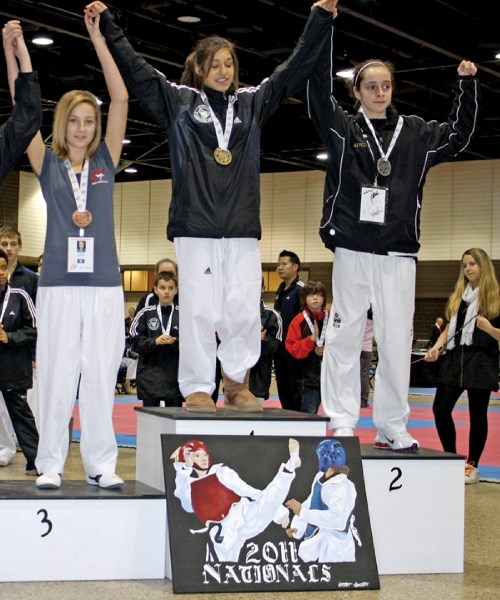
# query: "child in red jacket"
304,341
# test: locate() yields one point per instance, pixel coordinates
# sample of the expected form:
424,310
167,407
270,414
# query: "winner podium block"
415,500
81,532
152,422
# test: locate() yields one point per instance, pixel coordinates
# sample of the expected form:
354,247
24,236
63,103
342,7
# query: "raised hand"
466,68
329,5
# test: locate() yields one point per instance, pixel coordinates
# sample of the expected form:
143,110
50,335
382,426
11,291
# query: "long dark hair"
202,56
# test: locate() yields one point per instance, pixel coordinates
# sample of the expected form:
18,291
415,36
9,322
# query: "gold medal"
223,157
82,218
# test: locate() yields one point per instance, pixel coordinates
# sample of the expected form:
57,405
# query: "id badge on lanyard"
80,255
373,205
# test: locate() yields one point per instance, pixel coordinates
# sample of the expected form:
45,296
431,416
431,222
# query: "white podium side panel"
417,514
82,539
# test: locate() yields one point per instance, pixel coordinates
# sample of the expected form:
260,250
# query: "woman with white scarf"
471,359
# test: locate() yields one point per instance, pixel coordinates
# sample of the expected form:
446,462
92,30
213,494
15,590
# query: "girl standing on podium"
81,335
214,132
471,359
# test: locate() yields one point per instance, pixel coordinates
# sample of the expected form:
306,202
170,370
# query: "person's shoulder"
23,294
145,311
22,270
298,318
272,311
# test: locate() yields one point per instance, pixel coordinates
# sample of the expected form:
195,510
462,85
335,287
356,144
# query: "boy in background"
270,336
154,335
17,336
19,277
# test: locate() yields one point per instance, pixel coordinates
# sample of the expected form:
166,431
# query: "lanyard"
383,164
165,330
79,191
222,136
321,340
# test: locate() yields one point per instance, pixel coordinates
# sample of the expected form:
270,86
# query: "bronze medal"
223,157
82,218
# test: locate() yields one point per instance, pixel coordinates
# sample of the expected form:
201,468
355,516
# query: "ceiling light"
189,19
130,170
42,38
125,141
345,73
497,55
322,156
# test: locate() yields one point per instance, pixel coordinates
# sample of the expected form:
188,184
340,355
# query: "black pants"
444,402
365,363
23,422
218,379
175,400
286,380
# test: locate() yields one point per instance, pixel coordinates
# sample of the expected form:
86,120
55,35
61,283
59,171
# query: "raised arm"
143,80
118,108
291,76
26,119
15,49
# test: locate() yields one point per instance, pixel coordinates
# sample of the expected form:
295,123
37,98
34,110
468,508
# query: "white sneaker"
49,481
4,460
108,481
399,442
343,432
471,473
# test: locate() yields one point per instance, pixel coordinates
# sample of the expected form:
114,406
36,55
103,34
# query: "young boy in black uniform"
154,335
17,336
270,338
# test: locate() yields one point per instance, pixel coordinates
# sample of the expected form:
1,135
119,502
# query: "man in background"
287,303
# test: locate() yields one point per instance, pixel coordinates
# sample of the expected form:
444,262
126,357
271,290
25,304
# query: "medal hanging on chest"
82,218
223,157
384,167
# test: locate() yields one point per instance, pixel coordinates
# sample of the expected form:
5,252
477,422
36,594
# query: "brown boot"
200,402
238,397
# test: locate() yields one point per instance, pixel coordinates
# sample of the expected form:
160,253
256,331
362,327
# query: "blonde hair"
489,288
66,104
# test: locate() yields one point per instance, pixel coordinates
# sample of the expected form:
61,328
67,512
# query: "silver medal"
383,167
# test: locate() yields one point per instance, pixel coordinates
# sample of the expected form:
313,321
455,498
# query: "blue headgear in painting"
330,453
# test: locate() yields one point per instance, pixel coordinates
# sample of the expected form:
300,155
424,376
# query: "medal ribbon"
165,330
222,136
321,340
79,191
395,136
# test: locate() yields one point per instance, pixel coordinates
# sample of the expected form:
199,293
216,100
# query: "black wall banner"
262,513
